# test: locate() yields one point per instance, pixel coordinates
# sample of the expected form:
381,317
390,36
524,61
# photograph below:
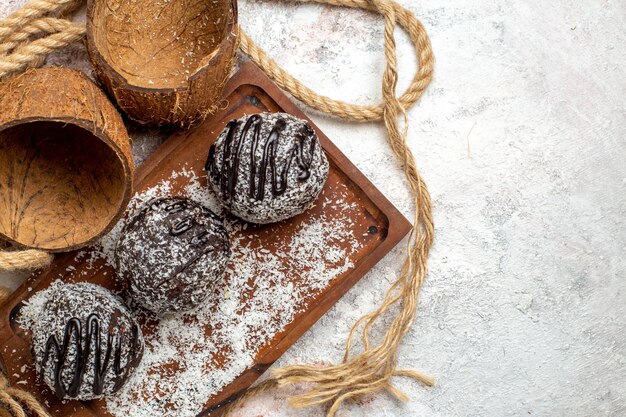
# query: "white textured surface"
521,138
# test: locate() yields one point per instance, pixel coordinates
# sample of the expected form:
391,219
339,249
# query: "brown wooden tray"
377,224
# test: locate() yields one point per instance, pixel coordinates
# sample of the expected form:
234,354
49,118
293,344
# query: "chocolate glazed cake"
87,343
172,253
267,167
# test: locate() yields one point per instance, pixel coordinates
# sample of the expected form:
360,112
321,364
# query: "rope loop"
354,112
373,369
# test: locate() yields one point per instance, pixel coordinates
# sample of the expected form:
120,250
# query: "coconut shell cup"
66,165
164,62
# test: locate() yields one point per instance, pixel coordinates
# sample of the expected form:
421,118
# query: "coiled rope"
373,369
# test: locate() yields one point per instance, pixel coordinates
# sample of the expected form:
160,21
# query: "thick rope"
43,26
31,11
373,369
29,34
24,259
421,79
33,53
16,402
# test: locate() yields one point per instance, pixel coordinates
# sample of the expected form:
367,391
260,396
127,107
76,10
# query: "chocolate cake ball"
172,253
267,167
87,343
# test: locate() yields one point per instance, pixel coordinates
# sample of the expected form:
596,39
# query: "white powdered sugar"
191,357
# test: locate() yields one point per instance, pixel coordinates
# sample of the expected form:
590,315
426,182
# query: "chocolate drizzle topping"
176,207
185,224
203,237
83,343
182,226
227,174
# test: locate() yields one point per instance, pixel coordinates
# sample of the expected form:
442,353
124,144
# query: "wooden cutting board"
374,225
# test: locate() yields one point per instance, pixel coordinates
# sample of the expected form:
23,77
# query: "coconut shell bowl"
163,62
66,165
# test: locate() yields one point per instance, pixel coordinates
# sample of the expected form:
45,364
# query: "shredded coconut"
191,357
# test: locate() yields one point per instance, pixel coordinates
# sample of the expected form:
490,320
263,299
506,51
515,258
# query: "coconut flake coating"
97,315
172,253
267,167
